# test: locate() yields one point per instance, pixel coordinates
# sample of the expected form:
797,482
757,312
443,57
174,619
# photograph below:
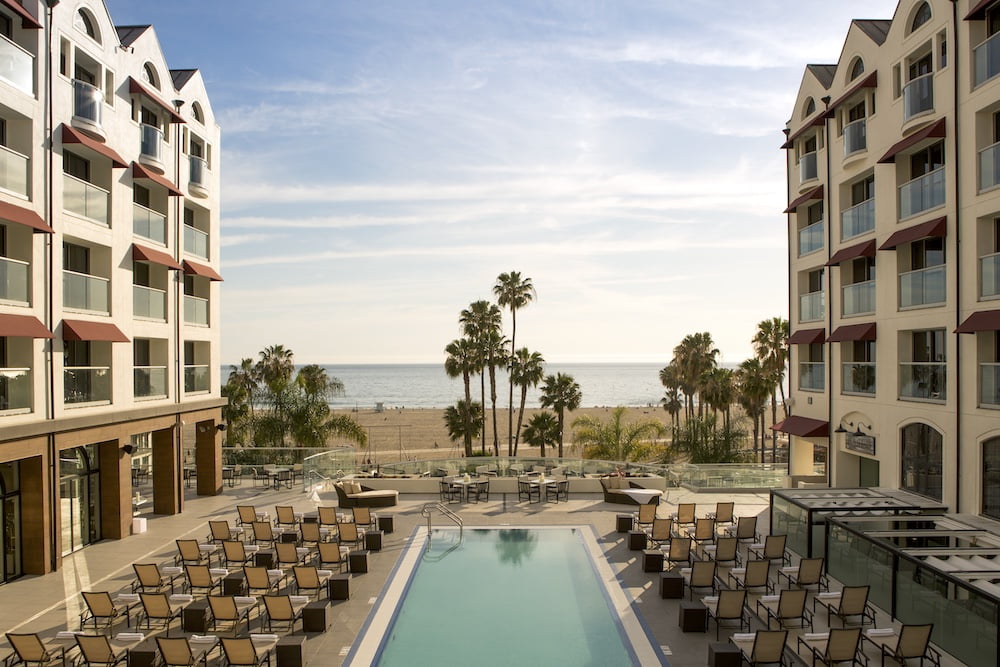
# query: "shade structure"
870,81
852,332
815,193
93,331
196,269
934,130
144,254
983,320
936,227
23,216
136,87
818,121
807,336
25,326
138,171
71,136
978,12
804,427
866,249
28,22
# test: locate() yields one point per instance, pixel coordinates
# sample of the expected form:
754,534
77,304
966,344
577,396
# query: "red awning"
138,171
144,254
139,89
807,336
866,249
815,193
201,270
978,12
28,22
935,130
803,427
870,81
984,320
23,326
818,121
98,331
936,227
71,136
23,216
852,332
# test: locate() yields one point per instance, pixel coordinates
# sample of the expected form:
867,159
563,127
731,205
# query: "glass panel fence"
811,307
85,292
921,194
195,310
922,380
922,287
857,220
14,280
85,199
149,224
87,384
859,298
14,171
15,389
17,66
811,238
149,303
811,375
807,167
150,381
987,58
918,96
855,137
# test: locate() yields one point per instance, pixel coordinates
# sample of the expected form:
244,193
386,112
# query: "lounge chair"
179,652
349,533
102,611
229,609
261,581
754,575
247,652
701,574
787,608
745,529
773,548
762,647
289,554
327,516
149,579
310,581
644,517
910,643
661,531
189,552
679,552
248,514
99,650
157,607
29,649
685,514
332,554
851,601
703,531
363,517
835,647
235,553
359,495
262,532
221,531
723,551
312,534
201,578
281,609
729,605
809,572
284,515
723,513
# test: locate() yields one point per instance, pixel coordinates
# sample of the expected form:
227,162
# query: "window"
85,75
76,166
993,20
814,213
859,367
862,270
811,300
6,26
76,353
140,274
809,109
857,68
148,117
927,160
140,352
76,258
921,16
991,478
928,346
920,67
926,253
862,190
856,112
812,369
140,195
942,51
149,75
922,458
197,112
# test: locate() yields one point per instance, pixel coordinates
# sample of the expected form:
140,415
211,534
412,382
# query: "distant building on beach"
109,297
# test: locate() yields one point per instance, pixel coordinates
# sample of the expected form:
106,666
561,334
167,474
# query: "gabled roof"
877,29
823,73
181,77
127,34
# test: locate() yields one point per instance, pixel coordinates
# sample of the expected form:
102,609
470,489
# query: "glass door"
79,510
10,522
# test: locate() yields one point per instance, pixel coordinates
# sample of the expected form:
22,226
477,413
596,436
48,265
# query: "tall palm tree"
245,378
561,393
672,404
461,417
718,392
770,343
495,353
476,320
526,370
275,367
614,440
461,362
695,355
541,430
316,383
514,293
754,387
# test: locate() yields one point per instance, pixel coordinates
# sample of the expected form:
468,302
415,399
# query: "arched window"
857,68
922,456
197,112
149,75
86,22
809,108
991,478
921,16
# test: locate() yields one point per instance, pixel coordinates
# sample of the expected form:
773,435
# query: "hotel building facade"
109,294
893,174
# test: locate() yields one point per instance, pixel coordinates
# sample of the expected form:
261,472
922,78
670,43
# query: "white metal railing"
149,381
922,380
429,508
989,384
87,384
811,238
17,66
85,199
149,224
811,306
807,167
859,298
812,375
921,194
858,219
989,166
15,389
149,302
195,310
989,275
151,145
14,171
918,96
88,101
855,136
14,279
195,242
196,378
922,287
987,59
858,377
199,171
85,292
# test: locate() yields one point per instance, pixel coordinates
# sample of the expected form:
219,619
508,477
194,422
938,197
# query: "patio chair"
247,652
480,490
485,471
762,647
201,578
260,475
99,650
701,574
350,533
448,492
149,579
332,554
745,529
189,552
261,581
228,476
773,548
809,572
703,531
284,515
262,532
523,489
157,607
729,605
837,646
643,519
298,471
28,648
283,477
685,514
661,531
787,608
221,531
226,609
723,513
289,554
248,514
723,551
754,575
102,611
849,602
910,643
235,553
311,534
179,652
310,580
363,517
559,491
679,552
281,609
534,489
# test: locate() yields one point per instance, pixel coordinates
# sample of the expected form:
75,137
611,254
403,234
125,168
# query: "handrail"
313,473
428,509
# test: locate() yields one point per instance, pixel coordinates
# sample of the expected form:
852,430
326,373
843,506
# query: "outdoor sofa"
353,494
614,487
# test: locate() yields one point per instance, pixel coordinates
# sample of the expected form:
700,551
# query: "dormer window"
85,22
149,76
921,16
857,68
810,108
197,113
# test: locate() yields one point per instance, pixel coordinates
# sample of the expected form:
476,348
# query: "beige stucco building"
109,283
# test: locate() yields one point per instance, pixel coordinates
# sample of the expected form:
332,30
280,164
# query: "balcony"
15,390
922,287
807,167
918,96
149,224
198,180
857,220
987,59
812,375
811,238
14,280
195,242
989,275
921,194
149,381
151,147
811,307
989,166
85,199
86,384
85,292
859,298
149,303
14,171
88,105
922,380
855,137
17,66
196,379
195,310
858,378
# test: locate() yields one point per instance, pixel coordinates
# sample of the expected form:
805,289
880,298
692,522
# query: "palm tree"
694,356
754,388
246,378
561,392
495,353
476,320
718,391
526,370
514,293
771,346
542,429
672,404
316,383
461,361
461,417
614,440
275,367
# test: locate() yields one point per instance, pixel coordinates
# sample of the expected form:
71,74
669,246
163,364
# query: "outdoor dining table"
276,475
644,496
463,485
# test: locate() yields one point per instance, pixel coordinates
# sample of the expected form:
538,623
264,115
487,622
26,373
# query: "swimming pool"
497,596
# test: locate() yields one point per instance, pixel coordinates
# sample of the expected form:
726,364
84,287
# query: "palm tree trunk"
561,416
774,434
482,394
493,400
520,416
510,381
467,417
784,404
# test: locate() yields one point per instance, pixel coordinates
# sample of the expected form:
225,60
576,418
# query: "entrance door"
79,498
867,472
10,522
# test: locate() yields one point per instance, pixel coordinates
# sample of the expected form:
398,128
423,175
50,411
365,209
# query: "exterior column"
208,458
166,474
36,516
116,486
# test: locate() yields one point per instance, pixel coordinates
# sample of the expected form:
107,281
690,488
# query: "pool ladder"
429,509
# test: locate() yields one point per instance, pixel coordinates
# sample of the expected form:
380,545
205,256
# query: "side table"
316,617
357,562
373,540
671,585
693,616
636,540
724,655
338,587
194,618
652,560
143,655
386,523
291,651
623,523
234,584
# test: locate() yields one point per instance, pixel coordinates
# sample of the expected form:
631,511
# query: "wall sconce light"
128,449
220,427
858,433
840,428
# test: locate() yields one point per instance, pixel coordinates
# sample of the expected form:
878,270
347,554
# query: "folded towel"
181,597
129,637
301,551
204,639
298,599
208,547
685,571
757,546
244,599
263,638
170,569
251,548
828,595
880,632
770,598
790,570
813,636
127,597
738,570
218,571
744,636
275,573
713,599
68,634
324,573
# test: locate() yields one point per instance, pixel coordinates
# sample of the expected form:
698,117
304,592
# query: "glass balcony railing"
195,242
859,298
857,220
859,378
922,380
85,292
151,146
987,58
88,102
812,375
17,66
811,238
199,172
989,384
921,194
149,381
14,170
807,167
855,137
15,389
918,96
149,224
922,287
989,166
87,384
989,275
195,310
14,280
811,307
149,303
85,199
196,379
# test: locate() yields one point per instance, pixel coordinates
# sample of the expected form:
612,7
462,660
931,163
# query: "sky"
384,161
